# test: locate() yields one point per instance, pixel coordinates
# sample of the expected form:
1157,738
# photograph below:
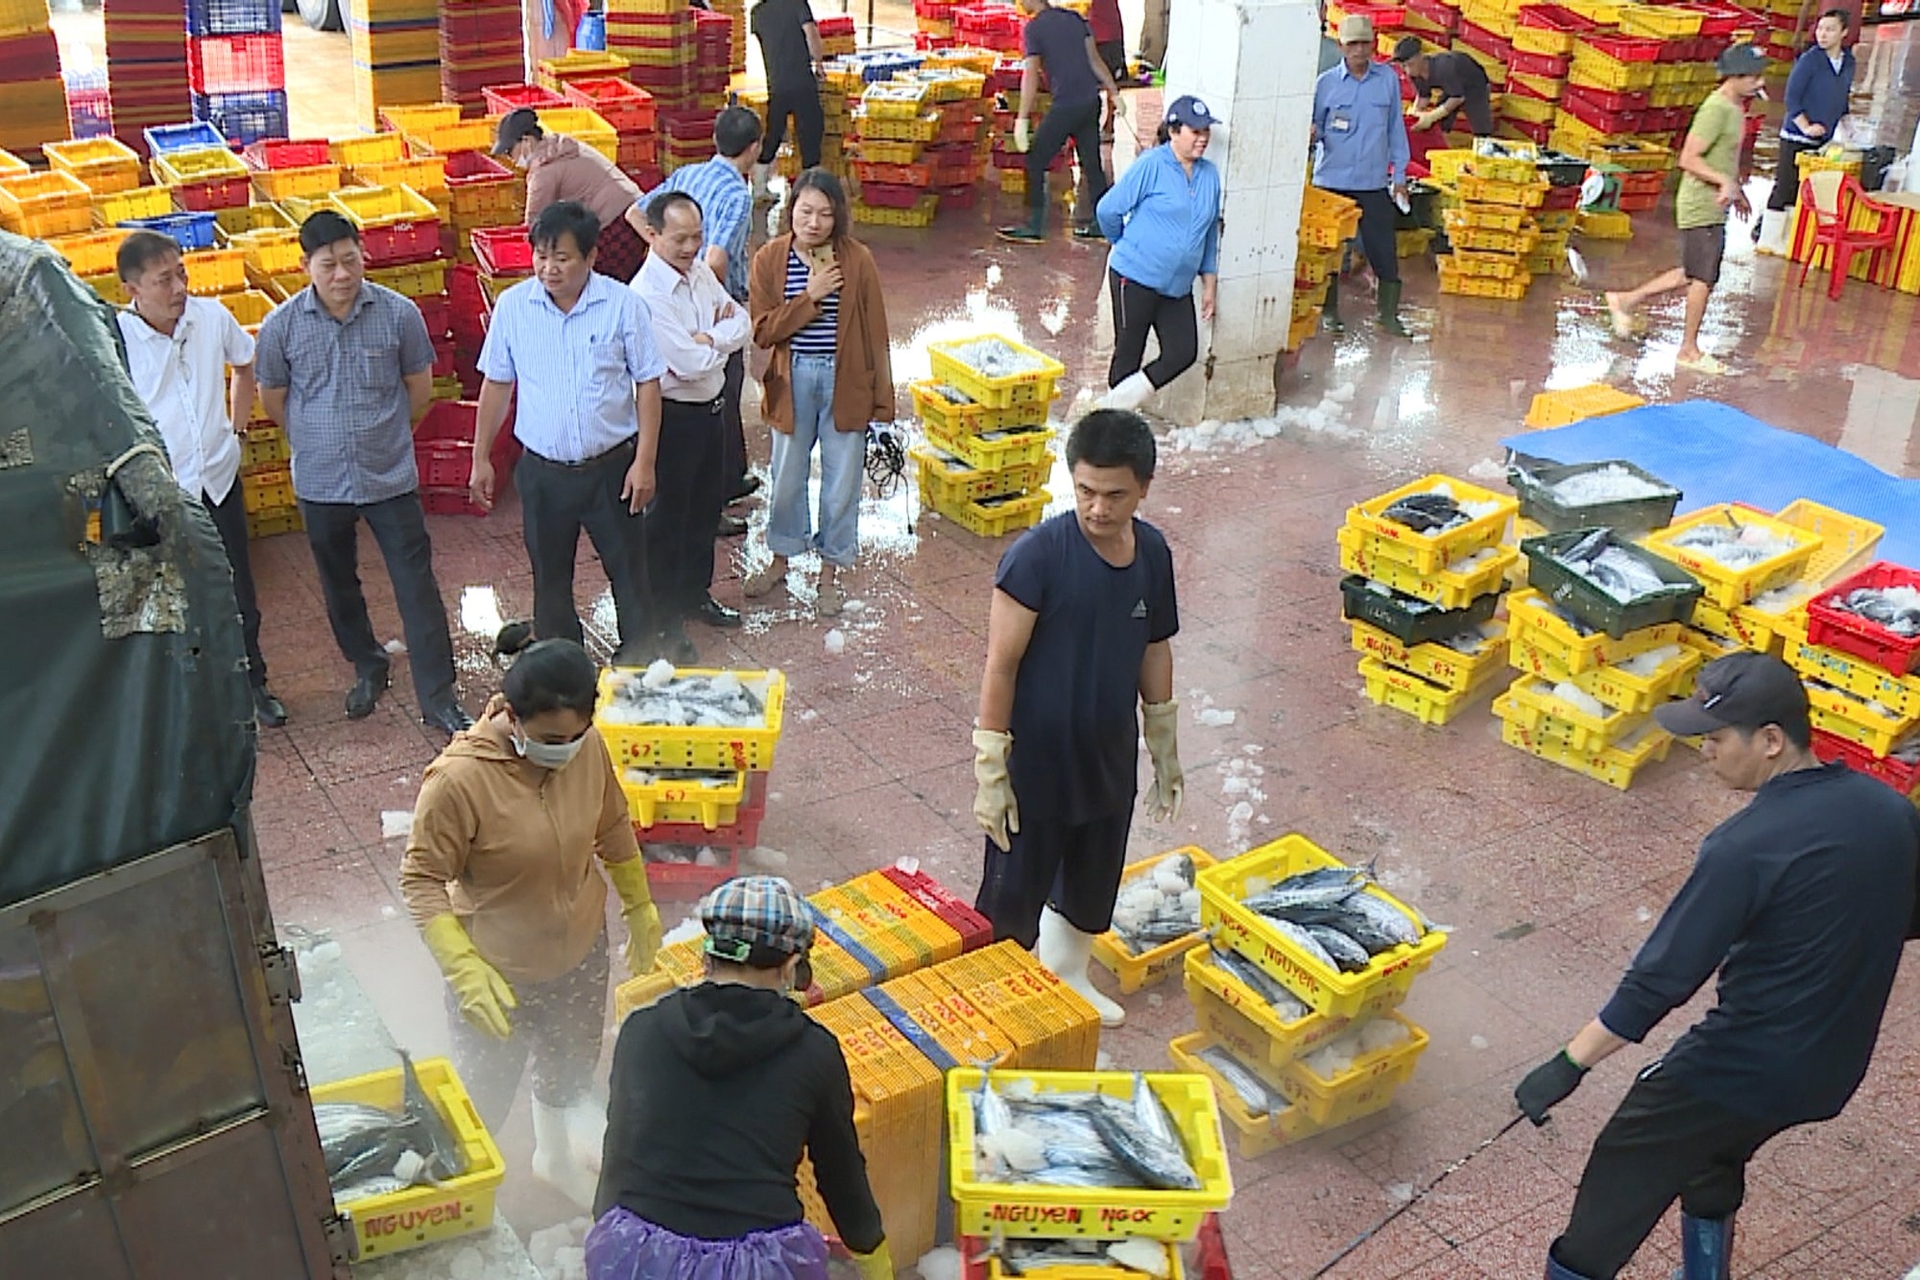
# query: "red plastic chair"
1833,195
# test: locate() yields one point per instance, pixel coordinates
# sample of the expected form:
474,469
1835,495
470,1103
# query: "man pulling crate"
1080,630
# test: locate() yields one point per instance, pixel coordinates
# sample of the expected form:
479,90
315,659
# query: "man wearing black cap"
1801,902
1462,83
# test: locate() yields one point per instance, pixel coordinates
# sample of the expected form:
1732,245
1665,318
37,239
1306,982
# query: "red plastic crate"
1436,11
236,64
1386,17
1627,48
1640,184
220,193
1551,17
502,251
442,357
838,25
1719,21
975,930
1592,113
1487,42
502,98
959,196
449,500
443,444
890,195
1850,633
621,103
742,833
1560,197
1606,99
279,153
1899,775
669,878
1550,66
1537,132
1637,204
926,43
437,311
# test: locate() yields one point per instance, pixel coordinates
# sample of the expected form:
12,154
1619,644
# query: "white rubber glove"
1021,135
994,807
1160,725
1119,107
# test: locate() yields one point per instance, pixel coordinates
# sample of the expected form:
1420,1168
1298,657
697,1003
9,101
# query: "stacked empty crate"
482,42
1426,570
239,82
658,39
917,142
33,96
986,456
1508,210
629,110
396,55
147,63
1327,221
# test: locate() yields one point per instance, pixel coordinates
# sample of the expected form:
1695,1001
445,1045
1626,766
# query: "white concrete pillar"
1253,62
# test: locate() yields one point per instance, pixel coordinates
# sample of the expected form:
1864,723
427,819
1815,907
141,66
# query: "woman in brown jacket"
814,295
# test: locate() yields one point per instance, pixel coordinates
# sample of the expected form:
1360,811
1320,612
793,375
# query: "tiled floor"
1549,880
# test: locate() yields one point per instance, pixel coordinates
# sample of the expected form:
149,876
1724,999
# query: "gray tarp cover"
125,720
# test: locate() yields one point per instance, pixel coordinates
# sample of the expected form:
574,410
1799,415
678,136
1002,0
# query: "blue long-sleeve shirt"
1361,128
1164,222
1821,92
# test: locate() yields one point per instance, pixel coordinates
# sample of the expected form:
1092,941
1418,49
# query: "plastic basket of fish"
1329,933
1412,695
1437,519
994,450
367,1126
1567,713
1452,586
711,799
1736,551
1244,1007
947,481
1617,765
1406,618
1457,662
996,372
1872,725
1257,1111
954,412
1607,583
1635,685
1040,1259
1534,619
1593,495
1859,677
1749,628
1356,1072
1157,1137
1156,919
691,718
1875,615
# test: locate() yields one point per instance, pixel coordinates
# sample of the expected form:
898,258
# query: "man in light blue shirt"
579,348
1361,130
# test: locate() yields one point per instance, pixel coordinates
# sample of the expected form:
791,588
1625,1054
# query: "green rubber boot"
1390,309
1330,313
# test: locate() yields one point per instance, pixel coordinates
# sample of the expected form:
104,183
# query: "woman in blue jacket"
1817,95
1163,218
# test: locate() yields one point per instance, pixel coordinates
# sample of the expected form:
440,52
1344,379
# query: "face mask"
548,755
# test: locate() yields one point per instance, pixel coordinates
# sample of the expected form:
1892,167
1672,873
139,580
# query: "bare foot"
1621,317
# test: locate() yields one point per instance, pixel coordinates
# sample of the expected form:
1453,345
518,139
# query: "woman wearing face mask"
517,822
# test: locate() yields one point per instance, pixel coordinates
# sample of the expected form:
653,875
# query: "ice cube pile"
996,358
1611,483
660,695
1158,906
1337,1056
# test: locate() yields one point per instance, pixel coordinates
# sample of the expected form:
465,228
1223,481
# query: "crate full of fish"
996,372
1567,713
660,717
1416,696
1436,519
1406,618
1592,495
1356,1072
1156,918
1098,1154
1040,1259
1258,1112
709,797
407,1156
947,481
1744,625
995,450
1736,551
1608,583
1899,770
1545,625
954,412
1875,615
1873,725
1326,930
1858,676
1452,586
1457,662
1245,1007
1635,685
997,517
1617,765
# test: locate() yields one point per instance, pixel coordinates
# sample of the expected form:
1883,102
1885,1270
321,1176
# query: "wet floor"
1550,880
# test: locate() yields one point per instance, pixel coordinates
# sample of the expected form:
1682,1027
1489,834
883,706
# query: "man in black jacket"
1802,901
717,1090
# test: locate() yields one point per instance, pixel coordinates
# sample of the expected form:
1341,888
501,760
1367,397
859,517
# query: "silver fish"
356,1140
1299,936
1285,1005
1346,953
1260,1099
1895,608
1384,918
1158,1164
1309,888
1151,1113
445,1159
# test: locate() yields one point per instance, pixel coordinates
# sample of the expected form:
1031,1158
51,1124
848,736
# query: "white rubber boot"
1132,392
554,1162
1065,951
1773,232
587,1132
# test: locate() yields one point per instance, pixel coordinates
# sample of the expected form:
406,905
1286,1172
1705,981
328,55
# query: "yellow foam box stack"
396,55
987,452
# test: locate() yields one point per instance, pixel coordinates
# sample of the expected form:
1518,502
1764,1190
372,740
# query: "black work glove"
1547,1085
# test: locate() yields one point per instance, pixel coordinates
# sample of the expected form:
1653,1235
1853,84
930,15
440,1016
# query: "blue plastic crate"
244,117
189,230
163,138
232,17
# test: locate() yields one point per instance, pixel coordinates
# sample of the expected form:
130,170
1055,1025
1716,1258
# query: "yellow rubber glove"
637,909
877,1265
1160,724
484,995
994,807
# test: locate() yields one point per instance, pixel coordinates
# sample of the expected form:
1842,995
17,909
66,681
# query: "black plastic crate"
1534,480
1407,619
1583,598
1562,170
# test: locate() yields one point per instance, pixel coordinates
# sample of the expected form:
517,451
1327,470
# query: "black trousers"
1376,232
733,428
809,123
1786,174
1664,1141
559,1024
689,496
230,520
557,500
1138,309
400,528
1080,123
1072,866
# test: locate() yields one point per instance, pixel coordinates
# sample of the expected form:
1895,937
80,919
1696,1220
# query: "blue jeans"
843,456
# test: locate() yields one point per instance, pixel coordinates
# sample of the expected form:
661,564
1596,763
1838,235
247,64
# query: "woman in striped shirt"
814,295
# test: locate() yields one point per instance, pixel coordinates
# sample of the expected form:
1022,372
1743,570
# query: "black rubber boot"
1330,313
1390,309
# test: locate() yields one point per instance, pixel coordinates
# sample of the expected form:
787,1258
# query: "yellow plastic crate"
966,416
1001,391
177,168
263,446
946,481
11,164
995,450
1448,587
426,175
123,206
269,490
104,165
90,253
1435,662
1532,702
1405,692
1531,620
1857,676
1337,994
1462,234
693,746
1519,195
1257,1134
107,285
382,206
997,517
1478,265
1590,68
1327,221
1156,963
249,306
712,800
43,205
1606,225
1726,586
920,214
445,139
1616,766
1363,1088
406,1219
1846,541
1843,715
373,148
1455,281
215,271
408,118
1052,1027
1745,627
269,252
309,182
266,524
1234,1013
1027,1210
1577,404
414,279
1430,553
885,151
1661,22
924,128
1621,690
894,100
587,127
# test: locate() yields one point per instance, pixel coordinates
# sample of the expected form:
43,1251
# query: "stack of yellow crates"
987,454
266,469
396,55
1327,222
1488,201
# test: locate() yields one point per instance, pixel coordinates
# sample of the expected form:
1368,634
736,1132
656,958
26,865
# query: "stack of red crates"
988,26
837,36
482,43
146,67
33,97
443,452
658,41
630,110
712,68
239,84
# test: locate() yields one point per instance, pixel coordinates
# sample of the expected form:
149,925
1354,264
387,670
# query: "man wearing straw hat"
1363,154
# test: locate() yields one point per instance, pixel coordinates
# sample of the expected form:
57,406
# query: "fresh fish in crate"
1611,483
1650,662
1307,889
952,395
1612,568
1471,642
1377,924
1260,1099
1159,906
1895,608
1349,955
1427,513
1735,546
1081,1140
1147,1146
995,358
662,696
1302,938
445,1159
356,1139
1284,1004
1411,604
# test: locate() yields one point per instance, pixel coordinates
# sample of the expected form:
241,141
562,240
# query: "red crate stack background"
481,43
33,97
146,67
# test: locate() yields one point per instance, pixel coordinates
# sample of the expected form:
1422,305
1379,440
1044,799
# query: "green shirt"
1719,124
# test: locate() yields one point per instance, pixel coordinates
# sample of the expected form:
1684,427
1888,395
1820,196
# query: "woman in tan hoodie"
517,821
562,168
814,295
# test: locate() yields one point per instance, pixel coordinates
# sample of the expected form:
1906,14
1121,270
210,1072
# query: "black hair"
658,207
551,675
734,130
1797,727
1846,19
1164,134
1407,48
142,249
565,218
325,228
829,186
1113,438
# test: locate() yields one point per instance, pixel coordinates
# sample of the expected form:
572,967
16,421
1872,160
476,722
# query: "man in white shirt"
580,349
179,348
696,327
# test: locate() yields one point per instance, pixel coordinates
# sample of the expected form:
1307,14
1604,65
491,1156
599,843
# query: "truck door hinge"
282,973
